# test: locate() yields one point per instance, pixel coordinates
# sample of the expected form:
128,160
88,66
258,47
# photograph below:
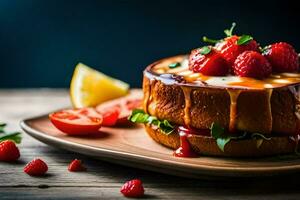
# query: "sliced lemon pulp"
90,87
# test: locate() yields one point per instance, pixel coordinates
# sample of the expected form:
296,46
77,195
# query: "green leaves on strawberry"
244,39
228,32
4,135
209,40
205,50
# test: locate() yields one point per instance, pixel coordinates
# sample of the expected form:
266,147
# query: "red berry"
133,188
210,64
282,57
252,64
76,166
36,167
9,151
230,50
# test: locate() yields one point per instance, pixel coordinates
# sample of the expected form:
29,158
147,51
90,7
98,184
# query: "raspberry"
230,50
76,166
282,57
210,64
36,167
9,151
252,64
133,188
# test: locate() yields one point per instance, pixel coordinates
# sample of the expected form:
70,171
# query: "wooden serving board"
133,147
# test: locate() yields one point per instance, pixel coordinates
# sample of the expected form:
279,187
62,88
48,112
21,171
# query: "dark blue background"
41,41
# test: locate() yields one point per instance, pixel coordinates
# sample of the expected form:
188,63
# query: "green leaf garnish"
15,136
2,126
205,50
139,116
174,65
206,39
217,132
259,139
259,136
244,39
228,32
221,142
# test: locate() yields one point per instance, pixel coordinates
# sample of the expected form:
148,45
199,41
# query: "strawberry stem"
228,32
206,39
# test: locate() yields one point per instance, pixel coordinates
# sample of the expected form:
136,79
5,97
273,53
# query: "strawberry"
9,151
76,166
282,57
252,64
208,61
133,188
36,167
234,45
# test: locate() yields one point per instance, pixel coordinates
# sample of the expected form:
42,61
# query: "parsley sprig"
4,135
139,116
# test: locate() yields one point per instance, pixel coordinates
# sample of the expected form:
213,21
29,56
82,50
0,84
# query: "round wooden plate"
133,147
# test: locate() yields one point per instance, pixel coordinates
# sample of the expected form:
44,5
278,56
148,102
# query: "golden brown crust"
242,148
256,111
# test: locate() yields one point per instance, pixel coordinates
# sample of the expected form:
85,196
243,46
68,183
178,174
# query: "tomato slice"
127,108
110,116
77,121
125,105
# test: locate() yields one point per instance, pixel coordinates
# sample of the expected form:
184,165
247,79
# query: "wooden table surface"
103,180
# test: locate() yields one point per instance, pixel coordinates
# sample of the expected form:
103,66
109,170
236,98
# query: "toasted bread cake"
269,106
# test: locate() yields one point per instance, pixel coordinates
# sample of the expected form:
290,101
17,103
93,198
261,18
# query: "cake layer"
263,108
235,148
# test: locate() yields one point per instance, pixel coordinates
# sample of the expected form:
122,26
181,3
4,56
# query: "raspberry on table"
252,64
76,166
282,57
9,151
133,188
36,167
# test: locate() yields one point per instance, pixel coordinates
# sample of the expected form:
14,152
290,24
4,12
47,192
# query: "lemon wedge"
90,87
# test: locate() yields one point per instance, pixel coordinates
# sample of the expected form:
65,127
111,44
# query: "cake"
248,95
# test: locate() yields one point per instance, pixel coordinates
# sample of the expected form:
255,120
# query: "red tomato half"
110,116
123,106
77,121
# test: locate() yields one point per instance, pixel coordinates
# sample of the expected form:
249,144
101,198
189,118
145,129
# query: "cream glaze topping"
166,75
187,106
234,94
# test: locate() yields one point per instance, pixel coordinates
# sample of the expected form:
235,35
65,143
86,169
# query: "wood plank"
151,193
